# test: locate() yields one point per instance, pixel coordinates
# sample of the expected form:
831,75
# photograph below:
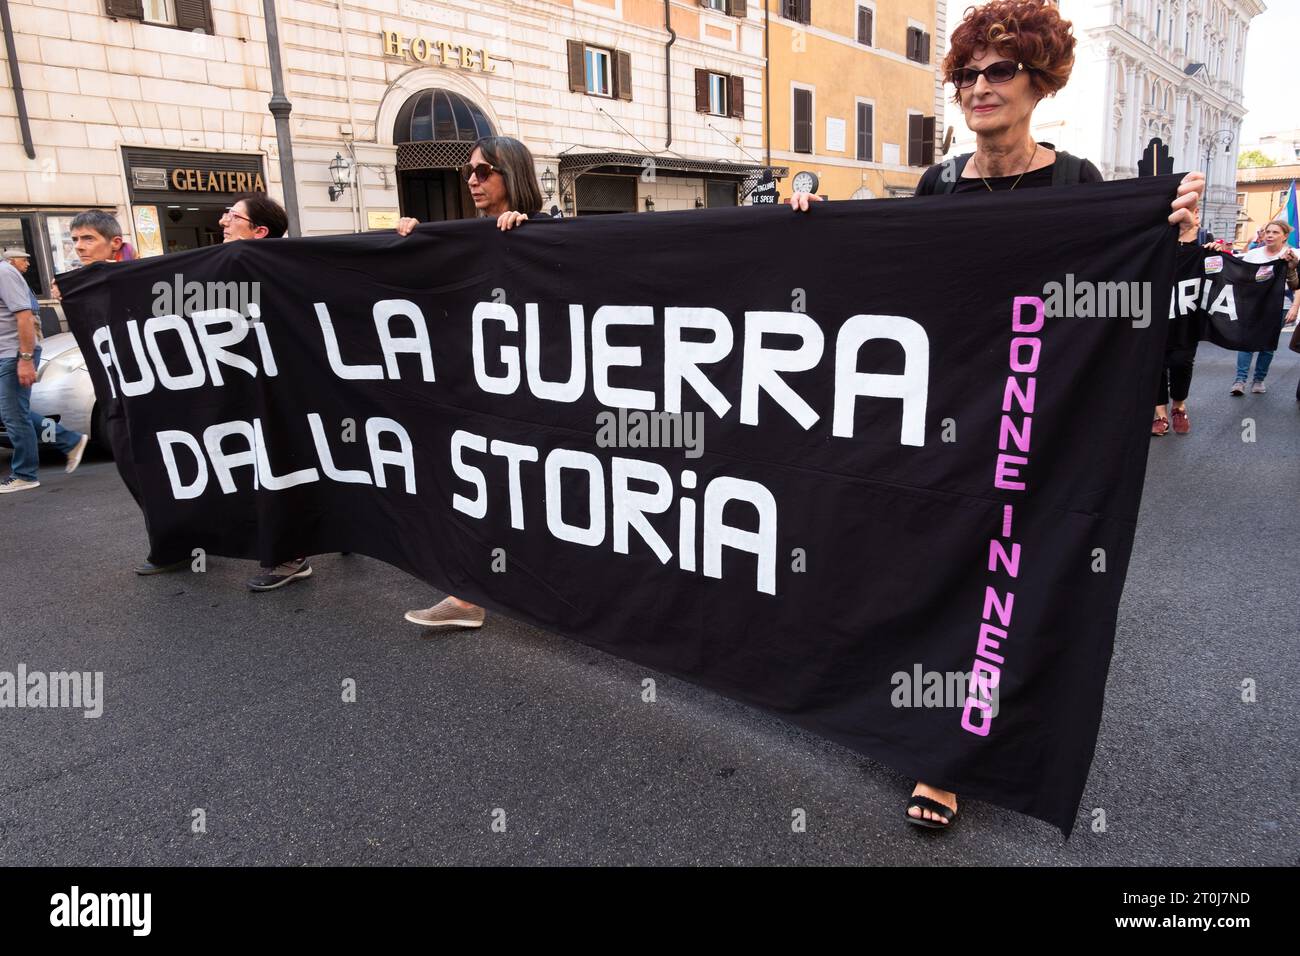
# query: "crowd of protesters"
1003,59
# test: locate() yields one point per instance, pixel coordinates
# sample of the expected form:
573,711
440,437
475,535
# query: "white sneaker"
12,484
1259,388
74,456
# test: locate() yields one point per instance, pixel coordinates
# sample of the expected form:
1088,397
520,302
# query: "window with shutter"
738,8
864,25
913,43
803,121
798,10
701,91
924,56
866,122
915,138
927,141
577,68
736,93
131,9
194,15
623,75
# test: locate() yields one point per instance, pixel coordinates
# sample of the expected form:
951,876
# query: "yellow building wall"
841,72
1263,187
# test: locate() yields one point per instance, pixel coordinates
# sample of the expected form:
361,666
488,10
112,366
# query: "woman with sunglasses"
503,183
1004,57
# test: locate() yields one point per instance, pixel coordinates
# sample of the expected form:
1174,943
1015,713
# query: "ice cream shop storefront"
178,196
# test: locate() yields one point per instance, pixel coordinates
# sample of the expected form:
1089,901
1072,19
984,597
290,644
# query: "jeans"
23,424
1261,365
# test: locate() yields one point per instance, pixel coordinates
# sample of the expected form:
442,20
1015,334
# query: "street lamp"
548,183
341,173
1224,136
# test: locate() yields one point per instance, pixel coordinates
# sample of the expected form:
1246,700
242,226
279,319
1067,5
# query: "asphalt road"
229,702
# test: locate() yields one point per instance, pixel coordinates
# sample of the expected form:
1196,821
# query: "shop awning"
746,175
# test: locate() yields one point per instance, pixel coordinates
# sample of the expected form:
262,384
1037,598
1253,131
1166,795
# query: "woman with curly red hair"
1005,56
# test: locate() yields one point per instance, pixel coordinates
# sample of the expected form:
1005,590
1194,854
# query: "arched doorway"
435,131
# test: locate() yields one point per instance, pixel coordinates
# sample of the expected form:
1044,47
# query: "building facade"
157,110
1261,195
1280,146
1146,69
854,93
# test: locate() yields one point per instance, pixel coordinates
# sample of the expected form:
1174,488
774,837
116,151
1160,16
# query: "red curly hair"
1028,31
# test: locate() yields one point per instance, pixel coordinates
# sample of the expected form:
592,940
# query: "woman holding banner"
1274,236
502,181
1181,342
1004,57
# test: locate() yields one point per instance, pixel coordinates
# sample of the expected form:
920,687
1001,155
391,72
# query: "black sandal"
934,806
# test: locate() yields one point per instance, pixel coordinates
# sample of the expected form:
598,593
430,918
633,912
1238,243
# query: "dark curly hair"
1028,31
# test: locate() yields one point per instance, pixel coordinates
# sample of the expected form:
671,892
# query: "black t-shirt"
1088,173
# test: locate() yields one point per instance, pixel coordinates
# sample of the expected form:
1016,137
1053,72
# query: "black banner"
882,515
1233,303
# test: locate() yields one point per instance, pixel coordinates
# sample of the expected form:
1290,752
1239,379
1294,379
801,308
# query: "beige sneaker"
74,456
14,483
446,613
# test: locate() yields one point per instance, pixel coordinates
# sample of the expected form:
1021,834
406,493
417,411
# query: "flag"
1293,220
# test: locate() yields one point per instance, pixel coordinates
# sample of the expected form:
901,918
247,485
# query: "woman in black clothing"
1180,356
1004,57
502,181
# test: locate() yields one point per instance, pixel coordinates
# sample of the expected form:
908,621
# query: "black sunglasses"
480,170
999,72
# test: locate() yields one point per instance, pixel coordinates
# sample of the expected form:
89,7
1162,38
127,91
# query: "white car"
64,391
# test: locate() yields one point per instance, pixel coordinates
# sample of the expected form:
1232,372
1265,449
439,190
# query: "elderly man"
19,357
97,237
21,261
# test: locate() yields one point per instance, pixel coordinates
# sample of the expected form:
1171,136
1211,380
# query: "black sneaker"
268,579
148,567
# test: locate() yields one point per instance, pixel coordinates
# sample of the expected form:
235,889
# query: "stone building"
157,109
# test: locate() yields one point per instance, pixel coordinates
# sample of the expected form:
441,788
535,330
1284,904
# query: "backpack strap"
1068,169
950,171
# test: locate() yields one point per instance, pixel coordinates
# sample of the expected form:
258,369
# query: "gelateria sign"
444,52
198,179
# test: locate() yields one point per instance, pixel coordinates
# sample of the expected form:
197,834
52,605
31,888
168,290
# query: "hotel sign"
439,52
